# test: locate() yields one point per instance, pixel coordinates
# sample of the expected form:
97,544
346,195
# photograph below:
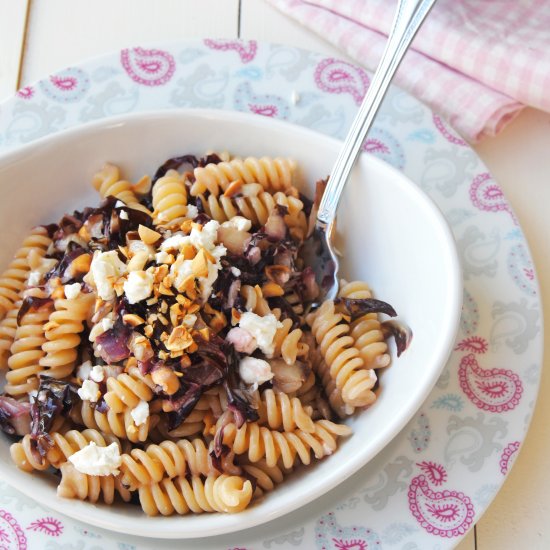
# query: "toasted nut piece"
138,261
166,378
152,301
163,307
58,293
235,316
165,291
199,266
188,251
251,189
205,333
279,274
174,355
175,313
162,319
183,300
148,330
80,265
185,361
160,273
143,186
132,319
233,188
148,236
193,308
163,355
119,286
180,339
186,226
272,289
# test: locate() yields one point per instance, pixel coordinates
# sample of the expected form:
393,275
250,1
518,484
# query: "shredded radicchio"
358,307
401,332
15,417
113,344
31,304
55,397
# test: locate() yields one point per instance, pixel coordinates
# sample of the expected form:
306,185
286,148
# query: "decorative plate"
436,478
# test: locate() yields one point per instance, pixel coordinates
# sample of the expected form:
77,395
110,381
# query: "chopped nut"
183,300
205,333
151,318
119,286
148,330
186,226
199,266
143,186
162,319
175,354
279,274
175,313
180,339
193,308
152,301
185,361
123,250
235,316
251,189
272,289
148,236
163,307
163,355
132,319
233,188
188,252
164,291
138,261
166,378
164,337
160,273
141,348
58,293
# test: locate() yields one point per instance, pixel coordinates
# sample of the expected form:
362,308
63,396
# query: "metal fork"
318,251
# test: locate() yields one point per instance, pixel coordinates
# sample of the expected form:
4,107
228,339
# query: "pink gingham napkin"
476,62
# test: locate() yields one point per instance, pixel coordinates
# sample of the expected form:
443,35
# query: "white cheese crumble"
254,371
123,215
235,271
138,286
136,246
240,223
192,211
34,278
175,242
119,204
162,257
97,374
72,291
263,329
89,391
84,370
106,268
140,414
97,461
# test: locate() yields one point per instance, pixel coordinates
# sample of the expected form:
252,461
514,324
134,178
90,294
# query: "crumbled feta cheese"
175,242
83,371
140,414
205,238
106,268
162,257
139,246
119,204
97,374
72,291
235,271
97,461
124,215
192,211
138,286
107,324
34,278
254,371
181,270
263,329
89,391
240,223
206,283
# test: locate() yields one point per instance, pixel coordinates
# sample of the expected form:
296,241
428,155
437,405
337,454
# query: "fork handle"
408,18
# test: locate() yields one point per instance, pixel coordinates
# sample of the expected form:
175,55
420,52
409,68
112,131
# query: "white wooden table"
38,37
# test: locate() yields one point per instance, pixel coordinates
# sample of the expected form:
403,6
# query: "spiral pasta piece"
26,352
167,460
266,477
341,362
254,300
279,411
261,442
273,174
14,279
366,331
229,494
169,200
75,484
288,344
62,332
128,389
8,328
64,446
108,184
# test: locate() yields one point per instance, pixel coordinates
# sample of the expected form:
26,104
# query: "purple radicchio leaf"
401,332
358,307
113,343
63,267
54,398
15,416
31,304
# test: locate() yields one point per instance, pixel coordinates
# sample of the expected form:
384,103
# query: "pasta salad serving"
161,348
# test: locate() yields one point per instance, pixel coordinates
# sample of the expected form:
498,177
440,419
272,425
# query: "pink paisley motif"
508,456
473,344
49,526
246,49
12,536
26,93
338,77
446,133
436,472
148,67
64,83
375,146
442,513
493,390
486,195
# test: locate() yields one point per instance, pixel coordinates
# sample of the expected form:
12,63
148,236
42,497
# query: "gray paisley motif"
401,107
390,480
515,325
473,439
112,100
288,62
13,500
446,169
478,252
202,88
294,538
321,119
33,120
444,379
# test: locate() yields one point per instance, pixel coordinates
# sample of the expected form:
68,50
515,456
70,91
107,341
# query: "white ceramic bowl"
391,235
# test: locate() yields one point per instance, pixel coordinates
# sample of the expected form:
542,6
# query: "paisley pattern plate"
428,487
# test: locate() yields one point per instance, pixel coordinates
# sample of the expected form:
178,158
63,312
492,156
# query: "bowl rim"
254,516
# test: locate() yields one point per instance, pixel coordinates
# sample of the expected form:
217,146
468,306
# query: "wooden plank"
63,32
518,158
12,37
468,542
261,21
